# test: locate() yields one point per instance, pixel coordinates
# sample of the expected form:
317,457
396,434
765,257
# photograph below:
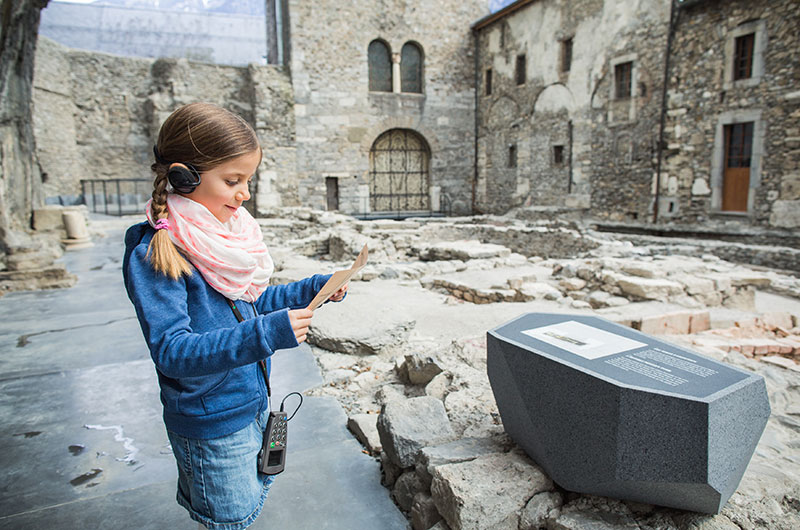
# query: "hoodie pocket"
231,392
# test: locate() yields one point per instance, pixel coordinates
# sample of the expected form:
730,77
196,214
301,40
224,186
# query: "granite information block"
607,410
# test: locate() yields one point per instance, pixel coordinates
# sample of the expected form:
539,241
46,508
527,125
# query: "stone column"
363,198
435,198
396,72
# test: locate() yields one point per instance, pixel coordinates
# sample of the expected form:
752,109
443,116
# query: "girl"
198,261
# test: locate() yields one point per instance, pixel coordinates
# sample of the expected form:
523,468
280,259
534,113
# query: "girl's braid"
159,204
163,254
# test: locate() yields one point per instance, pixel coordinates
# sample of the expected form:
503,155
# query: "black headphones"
183,178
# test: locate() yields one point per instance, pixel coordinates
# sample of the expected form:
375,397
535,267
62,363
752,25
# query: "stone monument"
607,410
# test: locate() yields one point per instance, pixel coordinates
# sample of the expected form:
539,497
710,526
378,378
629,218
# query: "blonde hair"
205,136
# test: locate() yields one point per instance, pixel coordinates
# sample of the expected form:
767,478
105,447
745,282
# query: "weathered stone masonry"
605,143
338,118
702,98
96,116
562,135
611,144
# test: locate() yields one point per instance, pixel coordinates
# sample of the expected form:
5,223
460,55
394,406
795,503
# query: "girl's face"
224,188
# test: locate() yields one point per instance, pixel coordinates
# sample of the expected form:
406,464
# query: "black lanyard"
263,364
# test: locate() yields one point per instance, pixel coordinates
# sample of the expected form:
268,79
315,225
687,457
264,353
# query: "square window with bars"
743,57
622,80
558,155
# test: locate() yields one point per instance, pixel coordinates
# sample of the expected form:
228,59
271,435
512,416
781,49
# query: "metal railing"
128,196
360,208
116,196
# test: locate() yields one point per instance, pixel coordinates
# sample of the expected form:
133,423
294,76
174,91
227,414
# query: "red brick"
785,347
746,348
699,321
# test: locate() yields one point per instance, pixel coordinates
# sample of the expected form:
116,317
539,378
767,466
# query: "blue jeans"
218,481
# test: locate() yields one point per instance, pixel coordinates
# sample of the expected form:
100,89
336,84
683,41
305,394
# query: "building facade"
574,109
683,112
732,142
384,104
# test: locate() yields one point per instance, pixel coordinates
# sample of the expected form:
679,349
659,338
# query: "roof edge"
489,19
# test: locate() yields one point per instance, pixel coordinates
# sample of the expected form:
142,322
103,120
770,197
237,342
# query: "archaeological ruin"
634,160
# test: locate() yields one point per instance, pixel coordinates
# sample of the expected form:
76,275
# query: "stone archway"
399,172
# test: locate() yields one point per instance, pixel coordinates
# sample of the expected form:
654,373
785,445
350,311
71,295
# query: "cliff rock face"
22,256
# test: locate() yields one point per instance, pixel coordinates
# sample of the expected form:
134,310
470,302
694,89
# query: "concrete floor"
82,443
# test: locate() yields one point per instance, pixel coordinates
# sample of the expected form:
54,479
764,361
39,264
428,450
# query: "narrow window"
558,155
743,57
521,69
380,67
622,80
411,68
512,156
488,81
566,55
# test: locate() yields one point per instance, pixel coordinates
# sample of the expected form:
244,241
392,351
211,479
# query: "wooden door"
398,169
736,173
332,189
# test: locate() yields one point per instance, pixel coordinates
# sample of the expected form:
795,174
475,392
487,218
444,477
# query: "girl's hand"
300,319
338,295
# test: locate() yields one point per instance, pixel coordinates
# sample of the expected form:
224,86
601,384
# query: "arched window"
411,68
380,67
398,172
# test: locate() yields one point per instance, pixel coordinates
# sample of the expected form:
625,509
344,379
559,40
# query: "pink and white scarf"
231,256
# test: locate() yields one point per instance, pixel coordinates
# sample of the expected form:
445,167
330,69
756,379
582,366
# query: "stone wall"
605,143
339,119
624,153
96,116
611,145
562,139
703,98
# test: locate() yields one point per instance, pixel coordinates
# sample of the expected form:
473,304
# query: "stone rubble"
487,492
28,260
405,355
406,426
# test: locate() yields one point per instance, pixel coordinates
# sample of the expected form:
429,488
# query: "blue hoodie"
207,361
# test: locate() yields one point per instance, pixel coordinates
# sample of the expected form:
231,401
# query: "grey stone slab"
68,348
49,455
337,487
294,370
607,410
150,507
89,324
319,422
